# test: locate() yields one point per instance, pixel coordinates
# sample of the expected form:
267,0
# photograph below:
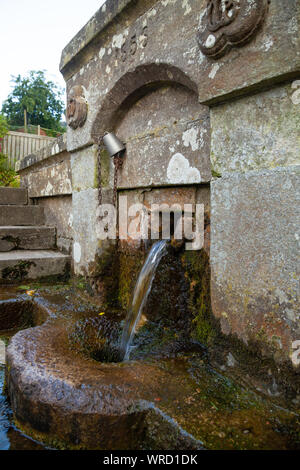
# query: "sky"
33,34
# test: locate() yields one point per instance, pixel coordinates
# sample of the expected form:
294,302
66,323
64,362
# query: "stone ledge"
27,238
22,215
18,265
58,146
95,25
13,197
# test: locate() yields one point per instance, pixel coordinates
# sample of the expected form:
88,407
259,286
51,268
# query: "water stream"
141,292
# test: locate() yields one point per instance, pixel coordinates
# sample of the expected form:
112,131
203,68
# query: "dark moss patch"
130,264
17,272
197,272
98,338
104,277
14,240
168,301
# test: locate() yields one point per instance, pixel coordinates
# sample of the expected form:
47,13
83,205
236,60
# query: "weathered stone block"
27,238
13,196
84,169
260,131
85,246
58,214
170,196
48,176
22,215
6,245
51,177
255,221
167,140
256,64
18,265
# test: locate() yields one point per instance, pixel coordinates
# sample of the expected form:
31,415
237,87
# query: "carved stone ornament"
228,23
77,107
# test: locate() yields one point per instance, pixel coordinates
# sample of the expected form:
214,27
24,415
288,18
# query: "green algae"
130,264
197,271
224,414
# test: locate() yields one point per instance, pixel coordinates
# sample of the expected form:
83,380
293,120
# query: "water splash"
141,292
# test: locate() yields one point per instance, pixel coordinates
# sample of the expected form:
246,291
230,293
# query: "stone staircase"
27,246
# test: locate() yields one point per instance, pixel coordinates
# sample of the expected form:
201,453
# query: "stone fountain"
205,98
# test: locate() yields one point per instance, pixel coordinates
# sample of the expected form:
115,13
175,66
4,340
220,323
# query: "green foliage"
41,99
8,177
3,126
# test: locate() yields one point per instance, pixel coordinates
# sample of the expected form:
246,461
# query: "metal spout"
113,145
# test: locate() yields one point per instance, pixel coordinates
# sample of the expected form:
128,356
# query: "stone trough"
68,400
76,402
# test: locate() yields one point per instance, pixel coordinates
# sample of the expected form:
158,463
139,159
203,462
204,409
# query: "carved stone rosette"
228,23
77,107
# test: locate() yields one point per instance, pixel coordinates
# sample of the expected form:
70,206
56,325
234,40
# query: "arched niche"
155,110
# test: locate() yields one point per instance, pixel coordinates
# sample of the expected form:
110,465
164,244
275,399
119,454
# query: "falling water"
141,293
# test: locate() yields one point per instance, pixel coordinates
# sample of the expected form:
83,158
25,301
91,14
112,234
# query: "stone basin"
66,399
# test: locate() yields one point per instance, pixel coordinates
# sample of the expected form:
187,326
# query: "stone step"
17,266
27,238
13,196
21,215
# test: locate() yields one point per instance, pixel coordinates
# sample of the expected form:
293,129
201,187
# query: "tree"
35,98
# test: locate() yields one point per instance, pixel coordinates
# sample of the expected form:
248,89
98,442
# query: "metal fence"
17,145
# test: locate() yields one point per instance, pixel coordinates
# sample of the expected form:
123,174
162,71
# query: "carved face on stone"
76,108
228,23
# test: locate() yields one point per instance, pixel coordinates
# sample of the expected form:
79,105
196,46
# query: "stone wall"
255,257
47,175
200,101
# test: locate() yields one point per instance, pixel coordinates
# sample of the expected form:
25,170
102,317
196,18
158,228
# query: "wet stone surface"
2,352
62,396
10,437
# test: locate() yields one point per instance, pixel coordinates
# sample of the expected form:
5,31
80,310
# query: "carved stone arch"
131,87
155,110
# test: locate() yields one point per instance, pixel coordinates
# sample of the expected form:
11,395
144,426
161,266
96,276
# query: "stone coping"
94,26
56,147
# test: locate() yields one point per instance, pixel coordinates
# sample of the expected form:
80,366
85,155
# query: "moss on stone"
129,267
17,272
216,174
197,271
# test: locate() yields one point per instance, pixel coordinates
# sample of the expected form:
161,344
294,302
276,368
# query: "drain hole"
108,354
97,338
